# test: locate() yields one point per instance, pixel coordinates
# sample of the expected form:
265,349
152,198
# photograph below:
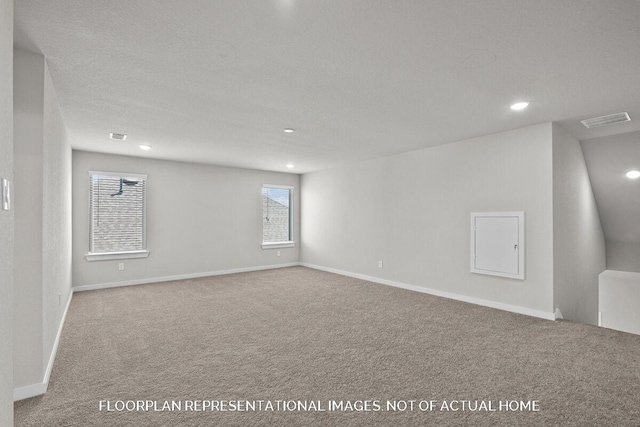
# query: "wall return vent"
606,120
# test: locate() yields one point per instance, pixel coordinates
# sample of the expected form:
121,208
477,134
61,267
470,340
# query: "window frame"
128,254
288,243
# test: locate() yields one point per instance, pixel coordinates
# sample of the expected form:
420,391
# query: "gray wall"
42,250
6,217
412,212
623,256
28,190
200,219
578,241
56,216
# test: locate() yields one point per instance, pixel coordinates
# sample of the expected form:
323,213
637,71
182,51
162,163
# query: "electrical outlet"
278,253
121,266
379,264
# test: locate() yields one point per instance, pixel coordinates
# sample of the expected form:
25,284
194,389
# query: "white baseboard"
464,298
41,388
54,350
179,277
28,391
600,318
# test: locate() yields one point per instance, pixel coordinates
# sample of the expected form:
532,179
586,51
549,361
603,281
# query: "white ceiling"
618,198
217,81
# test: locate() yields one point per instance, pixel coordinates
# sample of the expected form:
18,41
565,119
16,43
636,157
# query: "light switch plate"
6,195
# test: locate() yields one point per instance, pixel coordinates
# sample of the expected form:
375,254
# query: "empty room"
319,212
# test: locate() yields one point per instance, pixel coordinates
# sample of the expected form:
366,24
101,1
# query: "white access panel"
497,244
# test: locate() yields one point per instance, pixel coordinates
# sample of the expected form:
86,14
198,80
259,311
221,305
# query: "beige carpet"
304,335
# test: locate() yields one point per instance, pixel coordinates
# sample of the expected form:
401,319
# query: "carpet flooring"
307,341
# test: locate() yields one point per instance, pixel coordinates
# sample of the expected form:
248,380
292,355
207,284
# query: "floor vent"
606,120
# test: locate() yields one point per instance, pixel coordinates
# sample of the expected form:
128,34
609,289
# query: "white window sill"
105,256
277,245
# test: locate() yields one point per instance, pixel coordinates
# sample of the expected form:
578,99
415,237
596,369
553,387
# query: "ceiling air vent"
118,136
606,120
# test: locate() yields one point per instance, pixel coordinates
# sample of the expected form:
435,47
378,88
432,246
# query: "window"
117,216
277,209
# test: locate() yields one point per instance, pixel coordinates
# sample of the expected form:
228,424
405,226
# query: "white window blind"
277,208
117,209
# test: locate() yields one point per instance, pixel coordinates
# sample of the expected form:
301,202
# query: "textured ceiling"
618,198
217,81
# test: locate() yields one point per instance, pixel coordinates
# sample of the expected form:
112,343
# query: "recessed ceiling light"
118,136
144,147
634,174
289,130
520,105
290,165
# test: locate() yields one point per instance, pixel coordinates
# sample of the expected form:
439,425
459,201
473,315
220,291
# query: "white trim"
178,277
106,256
28,391
37,389
520,243
142,177
558,314
289,243
54,350
600,318
119,174
464,298
278,245
290,187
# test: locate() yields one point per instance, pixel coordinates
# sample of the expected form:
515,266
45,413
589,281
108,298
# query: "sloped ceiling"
618,198
217,81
